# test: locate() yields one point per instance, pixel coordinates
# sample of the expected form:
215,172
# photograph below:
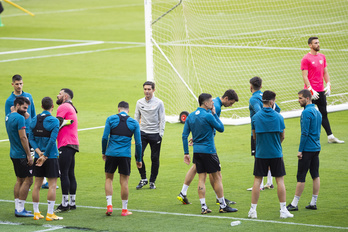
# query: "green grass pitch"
104,73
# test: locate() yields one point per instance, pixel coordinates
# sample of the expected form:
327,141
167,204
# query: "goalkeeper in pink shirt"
314,71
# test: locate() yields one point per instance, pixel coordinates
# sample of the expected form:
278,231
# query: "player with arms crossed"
116,151
42,136
202,123
309,149
268,130
314,70
227,100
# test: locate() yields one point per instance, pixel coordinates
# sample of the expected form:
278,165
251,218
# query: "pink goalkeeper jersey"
315,64
67,134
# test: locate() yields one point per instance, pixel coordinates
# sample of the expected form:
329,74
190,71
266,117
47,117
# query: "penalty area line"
206,216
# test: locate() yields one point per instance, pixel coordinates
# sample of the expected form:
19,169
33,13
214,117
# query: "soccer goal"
195,46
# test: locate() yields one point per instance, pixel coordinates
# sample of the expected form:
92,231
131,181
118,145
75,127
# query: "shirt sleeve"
304,64
31,134
105,137
8,107
21,122
215,122
162,118
137,113
277,108
137,138
33,112
305,124
185,135
61,111
255,105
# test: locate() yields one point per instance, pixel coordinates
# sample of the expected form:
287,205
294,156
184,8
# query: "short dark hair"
69,92
47,103
149,83
123,104
231,95
305,93
256,82
312,38
17,77
203,97
268,96
21,100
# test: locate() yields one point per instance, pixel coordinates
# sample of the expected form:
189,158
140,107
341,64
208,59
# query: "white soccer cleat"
334,140
285,214
252,214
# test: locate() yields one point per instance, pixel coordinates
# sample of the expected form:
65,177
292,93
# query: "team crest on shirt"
321,61
198,112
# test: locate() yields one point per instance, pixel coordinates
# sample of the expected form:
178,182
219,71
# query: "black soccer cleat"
61,208
227,209
313,207
290,207
142,183
152,185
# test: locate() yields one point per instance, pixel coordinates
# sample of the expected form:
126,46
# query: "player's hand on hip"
327,89
315,94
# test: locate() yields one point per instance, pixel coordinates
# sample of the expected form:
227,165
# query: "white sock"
50,207
72,200
184,189
261,185
283,206
44,180
253,206
314,200
269,178
16,203
295,201
204,206
109,200
36,207
330,136
65,200
124,204
222,202
20,205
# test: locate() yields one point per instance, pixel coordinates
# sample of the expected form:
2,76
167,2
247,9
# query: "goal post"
195,46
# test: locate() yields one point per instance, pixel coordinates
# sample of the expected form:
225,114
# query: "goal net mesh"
214,45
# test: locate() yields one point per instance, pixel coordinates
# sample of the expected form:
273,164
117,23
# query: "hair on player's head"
311,39
149,83
17,77
123,104
21,100
268,96
256,82
305,93
47,103
231,95
69,92
203,97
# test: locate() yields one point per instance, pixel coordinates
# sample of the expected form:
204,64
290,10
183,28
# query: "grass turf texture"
101,79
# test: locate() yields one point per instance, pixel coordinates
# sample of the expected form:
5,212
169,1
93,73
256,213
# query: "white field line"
72,10
69,54
50,48
70,40
206,216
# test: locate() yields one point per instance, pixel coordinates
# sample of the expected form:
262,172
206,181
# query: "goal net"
196,46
